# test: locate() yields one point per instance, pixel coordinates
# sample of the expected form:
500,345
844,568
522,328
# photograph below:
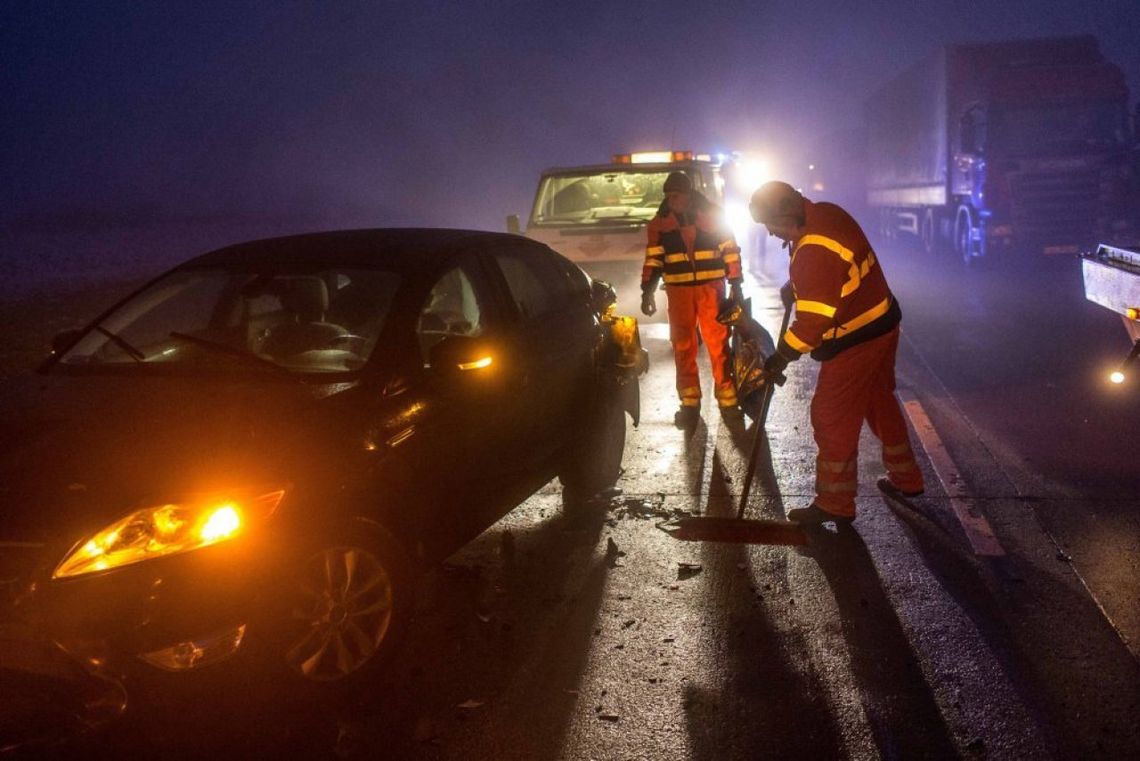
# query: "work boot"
732,413
687,416
813,515
887,486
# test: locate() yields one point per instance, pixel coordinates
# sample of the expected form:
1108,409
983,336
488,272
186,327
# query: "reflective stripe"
896,449
867,317
836,466
685,277
831,245
704,254
868,263
792,340
729,258
710,274
676,258
654,250
836,487
815,307
653,262
855,274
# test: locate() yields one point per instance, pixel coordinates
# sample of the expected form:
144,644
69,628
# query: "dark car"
255,452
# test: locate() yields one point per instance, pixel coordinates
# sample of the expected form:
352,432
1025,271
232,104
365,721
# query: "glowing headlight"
164,530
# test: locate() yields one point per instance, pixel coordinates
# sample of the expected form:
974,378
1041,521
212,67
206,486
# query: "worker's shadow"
759,701
904,718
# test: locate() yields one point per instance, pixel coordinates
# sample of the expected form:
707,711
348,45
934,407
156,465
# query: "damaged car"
253,455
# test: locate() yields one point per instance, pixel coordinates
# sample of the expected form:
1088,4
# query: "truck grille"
1056,207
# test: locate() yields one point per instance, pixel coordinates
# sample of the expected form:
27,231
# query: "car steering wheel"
348,338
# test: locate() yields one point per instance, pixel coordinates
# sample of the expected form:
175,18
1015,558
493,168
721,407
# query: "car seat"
304,301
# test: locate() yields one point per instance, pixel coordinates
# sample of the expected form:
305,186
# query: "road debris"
686,570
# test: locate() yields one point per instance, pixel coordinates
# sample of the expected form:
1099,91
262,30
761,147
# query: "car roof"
400,249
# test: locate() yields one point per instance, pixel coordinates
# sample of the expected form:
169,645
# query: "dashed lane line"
980,534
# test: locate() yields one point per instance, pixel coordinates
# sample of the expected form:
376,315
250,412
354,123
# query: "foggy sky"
436,113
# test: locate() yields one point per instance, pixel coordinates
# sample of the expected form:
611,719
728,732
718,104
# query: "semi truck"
596,214
989,149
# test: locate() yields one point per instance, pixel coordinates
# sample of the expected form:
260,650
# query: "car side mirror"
458,356
61,342
513,226
602,296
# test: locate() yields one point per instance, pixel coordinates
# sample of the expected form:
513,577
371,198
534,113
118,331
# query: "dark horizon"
276,116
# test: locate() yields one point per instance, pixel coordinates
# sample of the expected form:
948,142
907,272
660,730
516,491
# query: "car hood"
77,452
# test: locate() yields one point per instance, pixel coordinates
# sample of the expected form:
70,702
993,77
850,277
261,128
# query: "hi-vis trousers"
690,307
859,385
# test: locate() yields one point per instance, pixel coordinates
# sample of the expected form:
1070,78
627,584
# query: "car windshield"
320,321
610,198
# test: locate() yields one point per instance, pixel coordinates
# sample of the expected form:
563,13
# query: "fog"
138,134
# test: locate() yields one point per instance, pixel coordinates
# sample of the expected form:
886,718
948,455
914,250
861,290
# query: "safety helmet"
774,200
678,182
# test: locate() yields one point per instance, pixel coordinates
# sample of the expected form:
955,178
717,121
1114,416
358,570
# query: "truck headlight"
165,530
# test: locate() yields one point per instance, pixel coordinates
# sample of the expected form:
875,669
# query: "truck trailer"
989,149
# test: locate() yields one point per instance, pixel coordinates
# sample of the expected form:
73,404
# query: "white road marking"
978,530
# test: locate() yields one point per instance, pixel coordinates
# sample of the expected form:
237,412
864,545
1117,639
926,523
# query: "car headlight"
165,530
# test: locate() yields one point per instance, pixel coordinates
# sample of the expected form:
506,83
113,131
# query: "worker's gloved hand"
736,292
648,304
787,295
774,367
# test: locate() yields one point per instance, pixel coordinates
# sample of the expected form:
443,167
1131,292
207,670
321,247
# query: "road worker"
694,252
847,318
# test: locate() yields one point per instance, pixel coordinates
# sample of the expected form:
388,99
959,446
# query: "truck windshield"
1052,128
610,198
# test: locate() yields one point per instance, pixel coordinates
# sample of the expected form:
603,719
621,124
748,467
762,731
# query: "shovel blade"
702,528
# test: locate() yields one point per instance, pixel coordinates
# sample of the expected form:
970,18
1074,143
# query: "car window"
538,282
452,308
321,321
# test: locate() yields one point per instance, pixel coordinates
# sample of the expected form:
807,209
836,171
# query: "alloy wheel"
341,613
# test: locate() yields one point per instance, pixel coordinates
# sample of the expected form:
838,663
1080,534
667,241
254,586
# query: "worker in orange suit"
847,318
694,253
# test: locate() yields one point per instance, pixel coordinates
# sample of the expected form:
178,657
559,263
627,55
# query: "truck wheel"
965,247
928,233
593,462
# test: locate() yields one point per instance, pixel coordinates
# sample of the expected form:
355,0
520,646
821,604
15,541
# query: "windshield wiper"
122,343
233,351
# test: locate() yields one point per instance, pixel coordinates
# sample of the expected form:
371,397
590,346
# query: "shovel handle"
761,422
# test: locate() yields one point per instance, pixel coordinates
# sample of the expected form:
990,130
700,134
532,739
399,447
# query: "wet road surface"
605,639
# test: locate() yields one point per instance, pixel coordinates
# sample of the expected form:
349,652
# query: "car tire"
593,463
346,607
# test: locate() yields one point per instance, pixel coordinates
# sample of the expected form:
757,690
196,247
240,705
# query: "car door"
466,439
555,328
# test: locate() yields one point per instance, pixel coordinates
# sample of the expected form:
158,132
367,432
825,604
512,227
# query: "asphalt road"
607,639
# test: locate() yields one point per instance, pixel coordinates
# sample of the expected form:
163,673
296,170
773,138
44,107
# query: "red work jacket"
690,248
842,297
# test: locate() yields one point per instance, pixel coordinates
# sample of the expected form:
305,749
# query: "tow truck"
595,215
1112,279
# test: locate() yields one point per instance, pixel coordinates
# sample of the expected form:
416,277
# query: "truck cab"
596,215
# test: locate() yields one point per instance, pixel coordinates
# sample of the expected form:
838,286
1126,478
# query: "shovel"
741,530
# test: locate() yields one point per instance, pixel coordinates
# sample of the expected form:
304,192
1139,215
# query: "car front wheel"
593,462
346,610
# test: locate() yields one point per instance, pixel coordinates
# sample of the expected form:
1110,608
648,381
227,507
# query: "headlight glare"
164,530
